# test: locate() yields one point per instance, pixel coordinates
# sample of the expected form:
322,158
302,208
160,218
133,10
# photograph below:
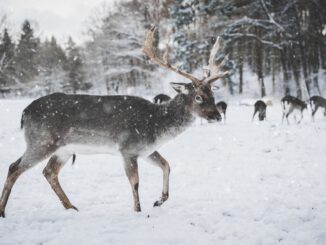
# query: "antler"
149,50
214,70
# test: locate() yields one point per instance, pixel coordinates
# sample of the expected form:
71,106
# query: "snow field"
234,183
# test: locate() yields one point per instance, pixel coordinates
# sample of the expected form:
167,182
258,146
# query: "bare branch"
235,36
270,16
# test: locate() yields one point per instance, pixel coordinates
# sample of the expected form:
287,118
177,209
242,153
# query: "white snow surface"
241,182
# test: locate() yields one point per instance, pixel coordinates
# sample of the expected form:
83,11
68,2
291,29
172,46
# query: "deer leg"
131,168
158,160
301,117
291,109
287,117
314,112
295,118
254,115
15,170
51,172
27,161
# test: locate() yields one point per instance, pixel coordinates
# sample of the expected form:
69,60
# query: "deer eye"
199,99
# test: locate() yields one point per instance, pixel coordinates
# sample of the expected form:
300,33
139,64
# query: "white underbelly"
68,150
139,149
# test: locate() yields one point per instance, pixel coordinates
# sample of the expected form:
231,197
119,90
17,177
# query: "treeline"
282,42
31,67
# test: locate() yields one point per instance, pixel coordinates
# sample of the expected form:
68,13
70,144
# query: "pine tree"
52,64
75,69
26,54
7,51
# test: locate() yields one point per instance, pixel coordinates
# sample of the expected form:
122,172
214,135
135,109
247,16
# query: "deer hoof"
158,203
2,214
72,207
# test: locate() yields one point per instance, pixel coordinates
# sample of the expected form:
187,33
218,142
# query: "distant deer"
60,125
161,98
315,103
221,107
260,107
291,104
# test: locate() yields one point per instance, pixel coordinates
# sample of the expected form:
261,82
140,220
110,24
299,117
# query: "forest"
279,46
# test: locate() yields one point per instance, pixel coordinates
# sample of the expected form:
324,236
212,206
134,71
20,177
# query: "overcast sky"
54,17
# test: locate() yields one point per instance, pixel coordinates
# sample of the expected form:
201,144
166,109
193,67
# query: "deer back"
125,122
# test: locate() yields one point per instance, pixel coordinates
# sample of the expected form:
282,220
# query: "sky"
53,17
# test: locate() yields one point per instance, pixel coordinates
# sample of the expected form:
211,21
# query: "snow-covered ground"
234,183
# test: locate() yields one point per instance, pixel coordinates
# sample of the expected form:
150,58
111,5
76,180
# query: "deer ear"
183,88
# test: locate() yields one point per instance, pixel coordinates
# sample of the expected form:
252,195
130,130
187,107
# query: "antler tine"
149,50
148,45
211,61
166,58
214,69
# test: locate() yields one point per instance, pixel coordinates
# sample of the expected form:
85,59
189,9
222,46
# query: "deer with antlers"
59,125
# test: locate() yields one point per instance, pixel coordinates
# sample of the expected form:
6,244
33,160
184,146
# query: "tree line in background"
33,67
282,42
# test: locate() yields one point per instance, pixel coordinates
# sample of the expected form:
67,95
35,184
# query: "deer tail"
22,120
73,159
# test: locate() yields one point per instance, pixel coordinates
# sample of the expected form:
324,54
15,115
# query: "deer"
315,103
291,104
58,125
260,107
161,98
221,107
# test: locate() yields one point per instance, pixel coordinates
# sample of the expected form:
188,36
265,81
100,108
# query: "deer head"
199,90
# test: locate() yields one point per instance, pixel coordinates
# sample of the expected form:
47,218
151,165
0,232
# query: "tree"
7,51
192,48
52,62
26,54
75,69
114,55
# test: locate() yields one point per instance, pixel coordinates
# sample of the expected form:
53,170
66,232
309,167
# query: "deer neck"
178,111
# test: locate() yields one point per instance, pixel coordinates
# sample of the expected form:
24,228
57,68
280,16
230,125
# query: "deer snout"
214,115
218,117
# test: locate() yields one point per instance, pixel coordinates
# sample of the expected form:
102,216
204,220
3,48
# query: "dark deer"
161,98
315,103
221,107
291,104
260,107
60,125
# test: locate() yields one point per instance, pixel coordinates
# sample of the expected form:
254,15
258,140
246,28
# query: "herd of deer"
58,126
289,103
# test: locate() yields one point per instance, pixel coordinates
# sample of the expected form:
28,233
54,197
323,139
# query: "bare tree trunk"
273,72
240,53
240,78
259,64
294,65
302,52
285,73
